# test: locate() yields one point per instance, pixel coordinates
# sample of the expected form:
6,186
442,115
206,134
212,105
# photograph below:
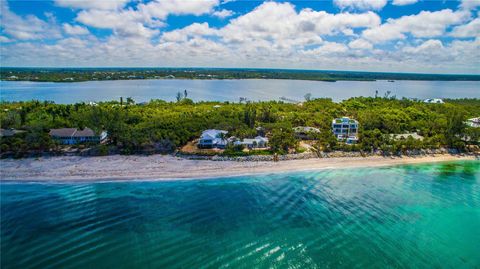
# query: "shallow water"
230,90
413,216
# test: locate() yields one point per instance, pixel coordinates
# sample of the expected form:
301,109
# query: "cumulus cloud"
126,23
145,20
403,2
29,27
469,4
283,27
92,4
360,44
428,47
160,9
75,29
329,48
471,29
425,24
274,34
222,14
360,4
434,52
4,39
193,30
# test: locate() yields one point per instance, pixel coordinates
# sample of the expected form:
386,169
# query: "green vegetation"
88,74
161,126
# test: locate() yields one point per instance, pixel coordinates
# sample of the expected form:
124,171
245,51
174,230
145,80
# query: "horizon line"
237,68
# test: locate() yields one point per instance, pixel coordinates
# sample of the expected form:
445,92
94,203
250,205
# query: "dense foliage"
86,74
164,126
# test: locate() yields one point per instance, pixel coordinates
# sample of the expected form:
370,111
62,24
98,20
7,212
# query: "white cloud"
144,20
75,29
222,14
274,34
471,29
92,4
193,30
403,2
160,9
328,48
360,4
428,47
433,52
284,28
4,39
424,24
360,44
28,27
469,4
126,23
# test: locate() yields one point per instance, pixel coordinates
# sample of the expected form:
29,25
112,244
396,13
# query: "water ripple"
406,216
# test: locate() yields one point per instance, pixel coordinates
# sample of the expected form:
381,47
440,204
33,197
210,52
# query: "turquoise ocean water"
414,216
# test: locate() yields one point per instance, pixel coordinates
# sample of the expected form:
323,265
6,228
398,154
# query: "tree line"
160,126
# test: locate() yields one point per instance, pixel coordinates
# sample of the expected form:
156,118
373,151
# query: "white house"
251,143
213,139
473,122
345,129
433,101
71,136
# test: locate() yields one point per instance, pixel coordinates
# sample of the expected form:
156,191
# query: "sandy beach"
162,167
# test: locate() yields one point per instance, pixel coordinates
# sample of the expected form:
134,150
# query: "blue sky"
367,35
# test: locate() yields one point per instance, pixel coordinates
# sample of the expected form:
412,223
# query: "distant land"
113,73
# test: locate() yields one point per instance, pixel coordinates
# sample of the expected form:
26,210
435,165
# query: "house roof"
62,132
344,120
72,132
261,138
434,100
83,133
405,136
305,129
248,141
212,133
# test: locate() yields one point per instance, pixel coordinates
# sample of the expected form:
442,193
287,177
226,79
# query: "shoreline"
168,168
180,78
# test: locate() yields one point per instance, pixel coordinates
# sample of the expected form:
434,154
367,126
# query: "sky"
420,36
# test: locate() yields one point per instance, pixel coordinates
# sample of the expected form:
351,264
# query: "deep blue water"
414,216
230,90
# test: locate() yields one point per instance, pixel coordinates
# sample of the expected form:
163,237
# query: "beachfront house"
253,143
305,132
474,122
72,136
345,129
433,101
213,139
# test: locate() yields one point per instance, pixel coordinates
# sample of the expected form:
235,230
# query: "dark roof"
62,132
73,132
85,132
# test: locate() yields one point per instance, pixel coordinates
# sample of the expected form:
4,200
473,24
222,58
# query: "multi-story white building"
345,129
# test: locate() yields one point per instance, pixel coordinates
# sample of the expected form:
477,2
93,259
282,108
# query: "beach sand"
160,167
